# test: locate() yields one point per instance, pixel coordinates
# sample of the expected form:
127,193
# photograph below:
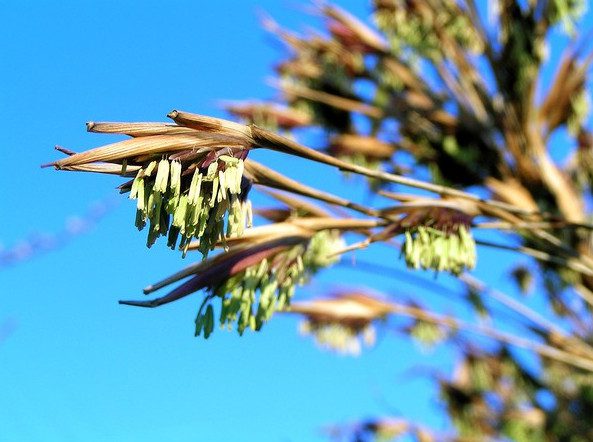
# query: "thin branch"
265,176
556,334
270,140
336,101
526,312
517,341
573,264
503,225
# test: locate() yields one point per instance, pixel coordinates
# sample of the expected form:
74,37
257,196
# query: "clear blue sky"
79,367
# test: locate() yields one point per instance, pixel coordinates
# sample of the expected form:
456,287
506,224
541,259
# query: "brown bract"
350,309
281,116
445,214
352,32
370,147
240,255
192,136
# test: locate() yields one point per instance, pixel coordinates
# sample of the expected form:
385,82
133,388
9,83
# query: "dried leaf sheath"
138,129
137,147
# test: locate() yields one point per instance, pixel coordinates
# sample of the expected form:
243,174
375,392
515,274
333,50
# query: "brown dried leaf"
367,146
346,308
239,132
135,147
138,129
366,35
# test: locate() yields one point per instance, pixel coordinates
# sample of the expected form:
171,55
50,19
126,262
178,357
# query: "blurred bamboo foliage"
450,99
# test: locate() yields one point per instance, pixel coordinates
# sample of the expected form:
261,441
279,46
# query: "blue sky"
78,366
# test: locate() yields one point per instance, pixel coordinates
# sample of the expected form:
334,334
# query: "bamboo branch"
573,264
270,140
517,341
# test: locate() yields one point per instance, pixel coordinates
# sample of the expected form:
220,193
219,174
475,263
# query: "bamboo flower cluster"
187,177
339,338
195,212
249,298
343,323
438,238
411,23
430,248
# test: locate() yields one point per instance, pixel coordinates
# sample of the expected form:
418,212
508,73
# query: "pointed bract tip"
148,289
137,303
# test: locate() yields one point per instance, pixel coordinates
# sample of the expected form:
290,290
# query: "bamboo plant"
446,108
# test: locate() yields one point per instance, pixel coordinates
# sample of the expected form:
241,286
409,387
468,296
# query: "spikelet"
430,248
183,209
250,297
338,337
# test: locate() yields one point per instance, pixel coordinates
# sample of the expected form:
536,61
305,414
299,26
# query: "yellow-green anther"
175,179
249,213
199,324
155,215
222,185
201,226
173,236
209,321
238,176
192,218
149,203
180,213
261,269
195,187
407,244
214,191
140,194
299,264
229,160
150,168
140,221
138,181
230,179
220,210
171,203
233,221
162,177
212,169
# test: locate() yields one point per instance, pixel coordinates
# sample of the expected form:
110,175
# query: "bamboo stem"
517,341
270,140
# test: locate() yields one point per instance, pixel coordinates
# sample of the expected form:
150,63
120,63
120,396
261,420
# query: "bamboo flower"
187,177
342,323
256,276
436,234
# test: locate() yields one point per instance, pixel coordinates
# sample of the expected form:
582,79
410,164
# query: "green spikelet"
430,248
250,298
200,210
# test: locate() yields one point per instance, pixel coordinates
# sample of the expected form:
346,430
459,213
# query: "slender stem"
265,176
526,312
503,225
270,140
507,301
517,341
572,264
